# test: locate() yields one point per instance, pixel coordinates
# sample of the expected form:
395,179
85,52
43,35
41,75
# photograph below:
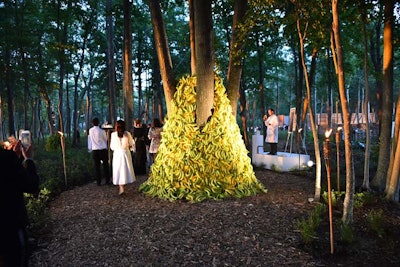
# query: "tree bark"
379,180
235,56
127,65
350,180
365,184
164,58
112,116
204,50
317,152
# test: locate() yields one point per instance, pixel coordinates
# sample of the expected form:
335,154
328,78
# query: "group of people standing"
130,149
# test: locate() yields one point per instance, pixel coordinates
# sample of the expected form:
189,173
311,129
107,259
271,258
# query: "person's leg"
274,148
106,168
121,189
96,159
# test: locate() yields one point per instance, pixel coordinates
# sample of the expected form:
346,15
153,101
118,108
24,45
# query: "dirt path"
93,226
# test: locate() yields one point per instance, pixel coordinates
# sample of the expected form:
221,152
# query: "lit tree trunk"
311,112
112,116
350,180
392,186
392,179
192,39
235,56
127,65
379,180
164,58
365,184
204,50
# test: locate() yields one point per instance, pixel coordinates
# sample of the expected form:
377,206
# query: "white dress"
122,167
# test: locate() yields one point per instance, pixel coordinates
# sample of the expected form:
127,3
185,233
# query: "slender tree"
127,64
338,55
112,114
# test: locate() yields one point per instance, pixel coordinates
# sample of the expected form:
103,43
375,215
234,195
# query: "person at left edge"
15,181
97,145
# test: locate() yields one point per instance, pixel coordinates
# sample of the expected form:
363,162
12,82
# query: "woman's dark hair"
156,123
120,128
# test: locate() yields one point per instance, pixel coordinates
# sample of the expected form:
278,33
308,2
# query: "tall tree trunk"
379,180
350,180
76,79
235,56
192,39
127,65
164,57
10,92
204,48
244,113
317,194
261,82
112,116
139,72
365,184
392,179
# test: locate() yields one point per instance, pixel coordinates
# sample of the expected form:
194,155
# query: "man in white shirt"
98,144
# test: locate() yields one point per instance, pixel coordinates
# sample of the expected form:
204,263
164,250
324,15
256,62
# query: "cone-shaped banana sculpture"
197,164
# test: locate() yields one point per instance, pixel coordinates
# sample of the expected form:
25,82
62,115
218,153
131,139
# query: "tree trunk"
392,179
10,92
379,180
317,194
112,116
365,184
244,113
164,58
192,39
127,65
235,56
204,48
350,180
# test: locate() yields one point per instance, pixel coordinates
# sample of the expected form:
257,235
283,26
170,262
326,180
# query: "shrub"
308,227
375,221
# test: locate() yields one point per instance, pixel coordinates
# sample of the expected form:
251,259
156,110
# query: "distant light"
310,163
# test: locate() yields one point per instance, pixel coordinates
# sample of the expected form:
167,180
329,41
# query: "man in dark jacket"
14,182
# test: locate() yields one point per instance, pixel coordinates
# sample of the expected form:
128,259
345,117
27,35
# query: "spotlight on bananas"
198,164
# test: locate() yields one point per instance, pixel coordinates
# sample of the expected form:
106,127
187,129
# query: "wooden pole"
62,140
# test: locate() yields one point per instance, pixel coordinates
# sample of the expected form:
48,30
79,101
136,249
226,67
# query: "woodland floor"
92,226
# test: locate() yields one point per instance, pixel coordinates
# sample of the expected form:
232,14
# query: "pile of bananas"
197,164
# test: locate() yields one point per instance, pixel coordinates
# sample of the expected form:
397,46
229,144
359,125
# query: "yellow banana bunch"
194,164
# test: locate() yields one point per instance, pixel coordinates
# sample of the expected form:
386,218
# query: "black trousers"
100,157
274,148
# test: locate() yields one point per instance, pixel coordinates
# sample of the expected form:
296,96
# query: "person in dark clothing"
139,134
15,181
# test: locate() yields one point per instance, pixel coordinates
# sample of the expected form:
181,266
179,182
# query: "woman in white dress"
155,137
121,144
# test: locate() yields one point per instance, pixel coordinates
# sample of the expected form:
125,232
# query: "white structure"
282,162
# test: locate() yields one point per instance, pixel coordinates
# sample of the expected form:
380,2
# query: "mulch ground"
92,226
